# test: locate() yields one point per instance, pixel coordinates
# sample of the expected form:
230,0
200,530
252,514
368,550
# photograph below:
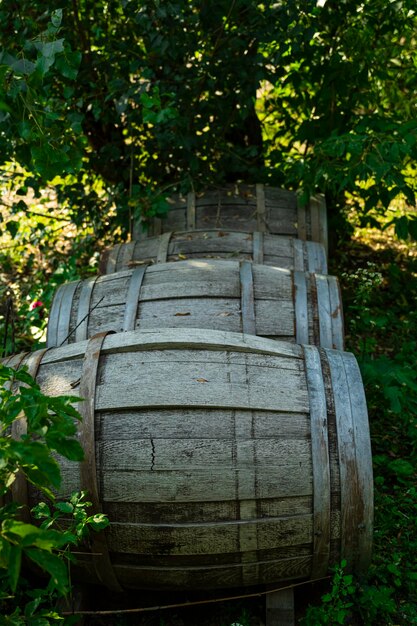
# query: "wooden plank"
299,254
301,308
318,203
351,497
209,538
88,470
162,453
336,312
52,330
191,210
191,380
301,221
164,240
218,511
258,247
247,298
316,257
363,454
320,462
201,423
84,309
219,577
203,484
280,609
323,308
112,264
260,208
133,297
174,339
125,253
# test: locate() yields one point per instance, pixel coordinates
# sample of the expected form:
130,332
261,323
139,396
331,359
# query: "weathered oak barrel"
243,207
221,459
263,248
221,295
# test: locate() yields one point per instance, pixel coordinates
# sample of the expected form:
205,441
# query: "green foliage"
336,605
50,428
117,102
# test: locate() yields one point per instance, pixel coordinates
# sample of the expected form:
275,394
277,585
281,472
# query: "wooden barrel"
243,207
263,248
221,295
221,459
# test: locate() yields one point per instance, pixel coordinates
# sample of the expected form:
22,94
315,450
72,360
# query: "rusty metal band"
19,488
301,308
336,313
351,498
298,255
258,247
84,305
162,254
247,298
260,208
132,298
320,457
65,310
301,220
323,311
88,470
363,453
190,222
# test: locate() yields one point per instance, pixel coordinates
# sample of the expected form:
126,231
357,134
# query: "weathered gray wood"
191,211
363,455
321,462
280,608
209,454
260,208
81,331
132,298
324,314
318,214
301,220
352,507
336,311
88,469
162,256
222,295
242,207
301,308
258,247
275,250
247,298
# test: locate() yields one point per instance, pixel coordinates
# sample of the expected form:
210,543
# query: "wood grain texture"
258,247
211,451
221,295
320,462
242,207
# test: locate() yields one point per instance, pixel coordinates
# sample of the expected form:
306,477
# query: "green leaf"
56,18
53,565
15,562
